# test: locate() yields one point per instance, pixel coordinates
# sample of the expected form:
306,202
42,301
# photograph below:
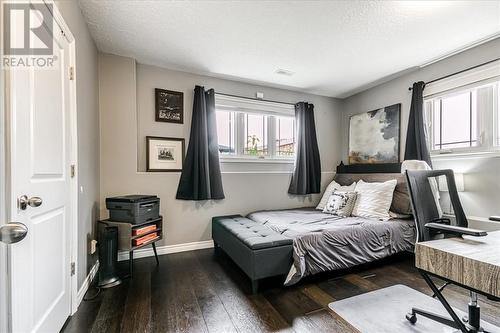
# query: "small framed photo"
169,106
164,154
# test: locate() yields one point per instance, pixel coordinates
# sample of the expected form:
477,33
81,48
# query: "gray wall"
88,132
482,196
127,115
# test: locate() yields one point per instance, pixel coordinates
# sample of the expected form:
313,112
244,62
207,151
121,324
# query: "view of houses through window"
255,135
285,136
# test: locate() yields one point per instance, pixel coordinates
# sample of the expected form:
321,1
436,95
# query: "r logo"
28,29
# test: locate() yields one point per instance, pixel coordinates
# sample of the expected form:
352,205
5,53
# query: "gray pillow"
340,203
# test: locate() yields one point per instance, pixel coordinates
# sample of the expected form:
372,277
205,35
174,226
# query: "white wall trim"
466,155
473,77
263,160
73,161
59,20
68,35
167,249
5,280
461,49
252,105
85,286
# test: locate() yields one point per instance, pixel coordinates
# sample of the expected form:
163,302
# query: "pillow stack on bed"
369,200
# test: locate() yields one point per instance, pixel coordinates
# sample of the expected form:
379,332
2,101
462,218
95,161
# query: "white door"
40,147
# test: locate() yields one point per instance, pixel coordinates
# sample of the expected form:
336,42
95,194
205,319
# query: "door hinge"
73,171
71,73
72,268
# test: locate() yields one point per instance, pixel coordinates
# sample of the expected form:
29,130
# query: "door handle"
13,232
23,202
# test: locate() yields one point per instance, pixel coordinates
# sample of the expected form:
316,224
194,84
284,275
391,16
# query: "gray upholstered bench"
259,251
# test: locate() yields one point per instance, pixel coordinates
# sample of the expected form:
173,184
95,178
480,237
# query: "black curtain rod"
459,72
255,99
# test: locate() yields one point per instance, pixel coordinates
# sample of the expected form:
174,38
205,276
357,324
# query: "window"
254,129
255,132
225,132
455,121
285,136
464,120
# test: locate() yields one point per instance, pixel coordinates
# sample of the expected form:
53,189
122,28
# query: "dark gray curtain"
306,177
201,178
416,144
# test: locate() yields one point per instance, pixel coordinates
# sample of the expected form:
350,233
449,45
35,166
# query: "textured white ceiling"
335,48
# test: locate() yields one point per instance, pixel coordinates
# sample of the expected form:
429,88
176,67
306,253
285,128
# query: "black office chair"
430,225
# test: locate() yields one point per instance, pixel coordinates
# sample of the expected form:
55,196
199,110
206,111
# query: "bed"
306,241
324,242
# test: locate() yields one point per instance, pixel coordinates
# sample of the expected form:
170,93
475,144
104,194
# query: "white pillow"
374,199
329,190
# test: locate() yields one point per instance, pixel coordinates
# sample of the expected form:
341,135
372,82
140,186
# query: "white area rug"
384,311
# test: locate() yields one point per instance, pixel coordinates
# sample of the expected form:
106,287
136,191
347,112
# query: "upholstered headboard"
369,168
401,199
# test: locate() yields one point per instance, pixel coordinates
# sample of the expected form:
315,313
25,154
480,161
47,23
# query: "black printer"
135,208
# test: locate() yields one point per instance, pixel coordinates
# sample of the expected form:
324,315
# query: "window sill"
483,223
227,159
466,155
476,222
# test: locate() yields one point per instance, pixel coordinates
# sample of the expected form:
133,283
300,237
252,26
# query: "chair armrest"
451,229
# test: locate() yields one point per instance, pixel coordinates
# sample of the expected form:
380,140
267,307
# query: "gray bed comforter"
324,242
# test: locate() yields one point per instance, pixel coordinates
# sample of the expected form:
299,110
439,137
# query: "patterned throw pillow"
340,203
333,186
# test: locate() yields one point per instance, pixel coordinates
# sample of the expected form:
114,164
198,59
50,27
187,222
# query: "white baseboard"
166,249
86,284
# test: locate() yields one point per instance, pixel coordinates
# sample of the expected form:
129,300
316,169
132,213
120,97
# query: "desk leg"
156,254
474,318
131,263
461,326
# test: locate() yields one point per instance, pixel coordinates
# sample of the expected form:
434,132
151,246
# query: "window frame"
242,106
488,113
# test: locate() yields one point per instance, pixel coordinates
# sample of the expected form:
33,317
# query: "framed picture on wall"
374,136
164,154
169,106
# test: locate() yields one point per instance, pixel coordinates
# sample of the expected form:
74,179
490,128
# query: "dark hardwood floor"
200,291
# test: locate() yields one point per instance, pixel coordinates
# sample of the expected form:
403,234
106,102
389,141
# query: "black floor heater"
108,257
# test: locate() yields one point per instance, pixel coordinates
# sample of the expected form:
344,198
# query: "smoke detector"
282,71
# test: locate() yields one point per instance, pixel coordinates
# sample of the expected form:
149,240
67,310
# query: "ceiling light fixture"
286,72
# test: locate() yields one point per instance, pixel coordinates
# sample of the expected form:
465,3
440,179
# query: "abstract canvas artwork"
374,136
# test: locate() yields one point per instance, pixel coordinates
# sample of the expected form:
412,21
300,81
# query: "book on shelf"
144,239
143,230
